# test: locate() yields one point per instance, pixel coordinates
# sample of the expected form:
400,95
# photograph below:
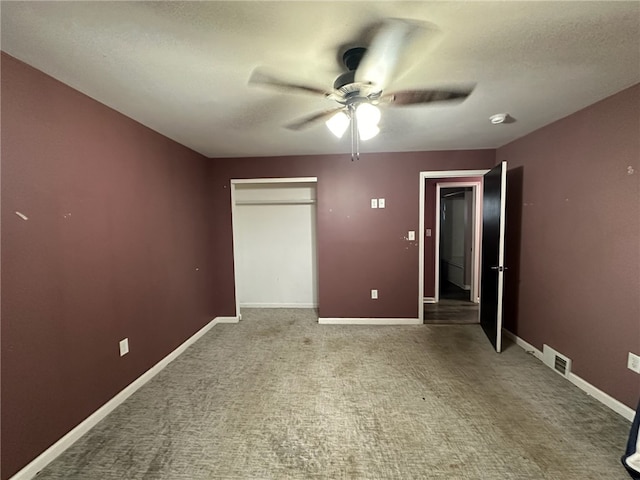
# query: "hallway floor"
454,307
451,312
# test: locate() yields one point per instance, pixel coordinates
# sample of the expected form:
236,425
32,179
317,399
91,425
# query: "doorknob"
500,268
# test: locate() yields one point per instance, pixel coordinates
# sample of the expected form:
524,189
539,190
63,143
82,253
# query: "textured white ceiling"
181,68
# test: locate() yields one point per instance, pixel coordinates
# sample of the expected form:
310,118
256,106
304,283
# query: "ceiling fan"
360,89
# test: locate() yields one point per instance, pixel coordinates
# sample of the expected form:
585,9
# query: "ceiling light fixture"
364,118
368,114
338,124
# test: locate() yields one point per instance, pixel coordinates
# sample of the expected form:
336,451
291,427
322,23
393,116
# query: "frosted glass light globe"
368,114
338,124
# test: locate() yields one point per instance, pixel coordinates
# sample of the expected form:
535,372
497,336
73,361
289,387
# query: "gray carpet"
279,396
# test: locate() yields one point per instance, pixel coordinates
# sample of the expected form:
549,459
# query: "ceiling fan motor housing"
344,79
351,59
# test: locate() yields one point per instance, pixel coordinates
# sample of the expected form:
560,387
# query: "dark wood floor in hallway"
451,312
454,307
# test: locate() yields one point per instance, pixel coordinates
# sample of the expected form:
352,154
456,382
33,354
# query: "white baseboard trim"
51,453
429,300
278,305
524,345
369,321
604,398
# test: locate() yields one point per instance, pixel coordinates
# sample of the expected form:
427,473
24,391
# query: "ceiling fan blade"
259,77
381,59
310,120
416,97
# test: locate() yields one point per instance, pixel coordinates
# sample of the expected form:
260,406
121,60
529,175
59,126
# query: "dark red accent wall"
359,248
430,219
574,208
117,244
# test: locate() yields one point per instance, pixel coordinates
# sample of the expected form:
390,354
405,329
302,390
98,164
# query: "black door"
492,277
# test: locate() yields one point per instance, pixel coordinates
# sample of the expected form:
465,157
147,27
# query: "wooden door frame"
476,224
432,174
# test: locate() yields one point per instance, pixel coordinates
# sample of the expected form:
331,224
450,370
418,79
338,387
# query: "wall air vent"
555,360
560,365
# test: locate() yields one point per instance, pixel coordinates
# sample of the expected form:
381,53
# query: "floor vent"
556,360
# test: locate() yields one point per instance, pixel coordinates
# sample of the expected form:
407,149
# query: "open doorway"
449,272
455,245
456,258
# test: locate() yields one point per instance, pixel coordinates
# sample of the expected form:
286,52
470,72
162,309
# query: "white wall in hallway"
275,238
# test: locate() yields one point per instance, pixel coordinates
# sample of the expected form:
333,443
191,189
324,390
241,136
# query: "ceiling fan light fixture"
338,124
359,90
368,114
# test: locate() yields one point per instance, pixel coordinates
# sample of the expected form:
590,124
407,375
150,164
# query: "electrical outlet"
374,294
124,347
633,363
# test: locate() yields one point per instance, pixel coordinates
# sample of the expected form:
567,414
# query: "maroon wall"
117,244
430,219
574,193
359,248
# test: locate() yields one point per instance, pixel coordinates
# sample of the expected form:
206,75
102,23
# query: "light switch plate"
374,294
381,203
412,235
633,363
374,203
428,232
124,346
